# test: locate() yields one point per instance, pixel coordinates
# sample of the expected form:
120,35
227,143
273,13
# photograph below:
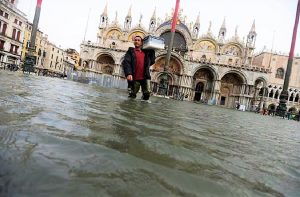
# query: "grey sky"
65,20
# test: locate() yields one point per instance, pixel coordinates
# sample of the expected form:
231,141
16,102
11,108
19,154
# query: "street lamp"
164,82
281,109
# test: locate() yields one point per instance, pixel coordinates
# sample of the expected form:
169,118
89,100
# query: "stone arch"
175,66
180,28
136,32
207,45
171,78
279,73
105,63
114,33
206,76
260,91
232,84
179,45
107,54
234,49
262,79
209,67
85,64
238,73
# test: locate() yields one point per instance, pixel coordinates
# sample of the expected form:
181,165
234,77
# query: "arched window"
279,73
271,94
291,97
179,44
14,34
297,98
276,94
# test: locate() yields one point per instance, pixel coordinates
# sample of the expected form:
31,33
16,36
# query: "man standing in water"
136,64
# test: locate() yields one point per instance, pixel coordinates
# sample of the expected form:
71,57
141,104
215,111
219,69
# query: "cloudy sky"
65,21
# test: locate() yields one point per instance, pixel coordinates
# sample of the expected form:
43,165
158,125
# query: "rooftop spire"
129,11
198,19
209,28
224,23
253,27
105,10
236,31
116,17
154,14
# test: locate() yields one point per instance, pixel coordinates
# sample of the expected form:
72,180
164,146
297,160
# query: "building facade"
40,44
69,66
72,54
54,61
216,69
277,63
12,25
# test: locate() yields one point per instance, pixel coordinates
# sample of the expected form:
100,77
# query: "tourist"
136,64
288,115
238,106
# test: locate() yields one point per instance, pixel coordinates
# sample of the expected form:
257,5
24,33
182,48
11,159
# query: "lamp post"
164,83
281,109
30,59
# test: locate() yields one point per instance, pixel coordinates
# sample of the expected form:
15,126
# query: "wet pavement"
63,138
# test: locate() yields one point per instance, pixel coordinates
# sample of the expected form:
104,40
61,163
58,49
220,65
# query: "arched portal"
179,44
174,70
175,65
203,84
260,92
105,63
231,89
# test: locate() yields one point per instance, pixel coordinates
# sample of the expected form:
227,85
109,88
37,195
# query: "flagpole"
282,108
164,80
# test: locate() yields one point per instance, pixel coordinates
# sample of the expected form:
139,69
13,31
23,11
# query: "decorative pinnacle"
129,11
253,27
198,19
105,10
154,14
224,23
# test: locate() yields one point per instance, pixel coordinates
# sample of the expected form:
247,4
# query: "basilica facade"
203,68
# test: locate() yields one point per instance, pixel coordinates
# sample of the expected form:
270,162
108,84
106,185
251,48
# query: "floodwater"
63,138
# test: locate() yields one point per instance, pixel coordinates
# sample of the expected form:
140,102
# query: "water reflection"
61,138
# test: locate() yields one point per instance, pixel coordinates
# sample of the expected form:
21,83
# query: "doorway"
223,100
198,91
